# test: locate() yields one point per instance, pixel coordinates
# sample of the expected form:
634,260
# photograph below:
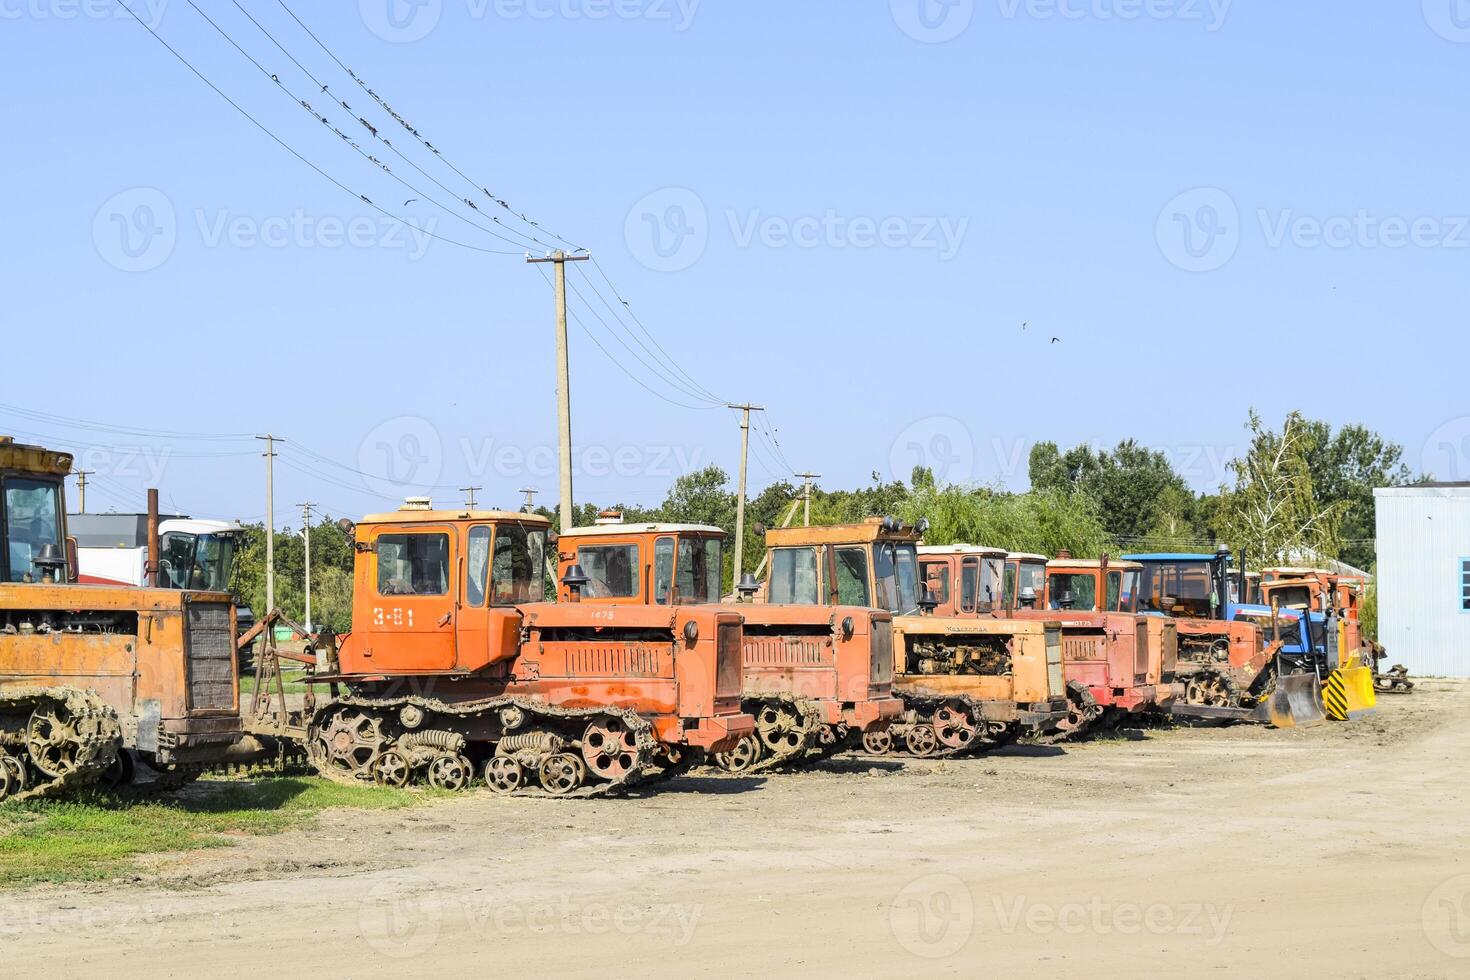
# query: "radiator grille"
210,642
779,651
881,671
1083,648
728,670
626,660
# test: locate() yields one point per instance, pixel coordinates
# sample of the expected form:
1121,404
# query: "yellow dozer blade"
1348,693
1295,703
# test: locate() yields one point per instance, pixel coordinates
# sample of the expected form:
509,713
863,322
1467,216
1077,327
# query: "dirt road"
1340,851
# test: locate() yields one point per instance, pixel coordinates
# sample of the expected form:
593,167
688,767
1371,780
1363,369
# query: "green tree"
1346,465
1135,489
1042,521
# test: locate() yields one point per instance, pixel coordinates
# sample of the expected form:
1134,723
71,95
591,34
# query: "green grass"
98,838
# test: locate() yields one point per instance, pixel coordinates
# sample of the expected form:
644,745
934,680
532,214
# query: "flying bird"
409,201
1056,340
1024,324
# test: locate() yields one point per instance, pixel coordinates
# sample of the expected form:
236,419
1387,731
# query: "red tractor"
455,671
816,679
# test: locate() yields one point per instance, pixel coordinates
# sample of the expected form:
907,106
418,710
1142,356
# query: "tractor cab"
1097,585
648,564
33,545
436,592
963,579
875,563
1025,581
197,554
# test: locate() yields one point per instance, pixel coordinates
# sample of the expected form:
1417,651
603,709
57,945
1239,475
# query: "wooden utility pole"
806,497
82,490
270,521
740,500
563,378
469,492
306,536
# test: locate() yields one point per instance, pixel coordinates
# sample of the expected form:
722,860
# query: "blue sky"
844,211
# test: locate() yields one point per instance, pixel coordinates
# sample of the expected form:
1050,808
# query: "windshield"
196,561
518,566
896,574
1069,591
1177,589
612,570
794,576
991,571
32,521
700,570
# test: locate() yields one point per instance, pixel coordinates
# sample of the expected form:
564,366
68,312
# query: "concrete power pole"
469,500
306,537
563,379
806,497
740,500
270,521
82,490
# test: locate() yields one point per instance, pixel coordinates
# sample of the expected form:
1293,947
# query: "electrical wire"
289,149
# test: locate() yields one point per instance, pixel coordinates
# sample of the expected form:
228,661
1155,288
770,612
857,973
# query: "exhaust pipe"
151,570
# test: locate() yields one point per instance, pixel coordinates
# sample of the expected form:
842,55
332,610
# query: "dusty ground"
1335,852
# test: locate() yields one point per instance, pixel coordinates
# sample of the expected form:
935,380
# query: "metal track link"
70,731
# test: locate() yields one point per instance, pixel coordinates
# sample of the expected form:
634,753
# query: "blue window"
1465,585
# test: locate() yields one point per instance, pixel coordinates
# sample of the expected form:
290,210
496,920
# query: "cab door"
488,624
411,603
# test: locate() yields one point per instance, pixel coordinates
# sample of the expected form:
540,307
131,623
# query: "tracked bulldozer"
967,685
816,680
456,674
97,679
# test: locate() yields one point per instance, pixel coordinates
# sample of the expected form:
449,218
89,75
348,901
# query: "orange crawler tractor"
456,672
93,677
814,678
1116,662
967,684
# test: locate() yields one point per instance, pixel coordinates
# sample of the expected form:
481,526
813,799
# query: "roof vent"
609,517
417,503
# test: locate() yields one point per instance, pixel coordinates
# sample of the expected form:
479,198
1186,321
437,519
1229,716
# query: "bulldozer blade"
1348,694
1296,703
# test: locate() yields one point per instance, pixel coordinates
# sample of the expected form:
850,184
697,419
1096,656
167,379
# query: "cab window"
32,520
518,565
936,578
477,574
969,584
413,564
663,570
1115,590
700,570
1066,591
852,576
794,576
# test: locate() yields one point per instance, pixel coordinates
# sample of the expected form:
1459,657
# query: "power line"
289,149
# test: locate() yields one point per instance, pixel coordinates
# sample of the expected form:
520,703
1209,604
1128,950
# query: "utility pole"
469,492
530,493
270,521
306,536
740,500
563,378
82,490
806,497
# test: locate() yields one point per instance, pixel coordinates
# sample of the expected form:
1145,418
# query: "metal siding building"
1424,577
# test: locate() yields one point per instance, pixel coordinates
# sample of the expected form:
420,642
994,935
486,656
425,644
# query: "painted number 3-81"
392,617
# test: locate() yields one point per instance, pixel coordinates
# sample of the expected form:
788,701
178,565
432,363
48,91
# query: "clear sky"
843,211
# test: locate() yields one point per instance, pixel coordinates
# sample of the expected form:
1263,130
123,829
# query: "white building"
1424,577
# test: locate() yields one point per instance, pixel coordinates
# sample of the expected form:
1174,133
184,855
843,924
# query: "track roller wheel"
609,748
779,728
6,785
391,769
16,767
52,740
451,772
121,772
348,743
878,743
743,757
955,725
1210,689
922,741
561,774
504,775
